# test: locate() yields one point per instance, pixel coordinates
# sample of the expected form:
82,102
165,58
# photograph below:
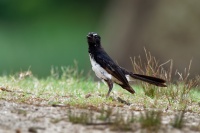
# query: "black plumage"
106,69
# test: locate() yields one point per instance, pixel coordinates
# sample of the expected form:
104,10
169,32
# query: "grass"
80,118
73,91
67,87
178,120
151,120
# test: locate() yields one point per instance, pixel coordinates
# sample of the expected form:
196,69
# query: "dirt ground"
23,118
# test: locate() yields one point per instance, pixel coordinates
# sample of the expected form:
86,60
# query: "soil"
24,118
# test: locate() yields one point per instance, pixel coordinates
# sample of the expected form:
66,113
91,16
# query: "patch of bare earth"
24,118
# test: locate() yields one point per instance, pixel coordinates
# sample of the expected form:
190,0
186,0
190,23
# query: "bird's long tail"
149,79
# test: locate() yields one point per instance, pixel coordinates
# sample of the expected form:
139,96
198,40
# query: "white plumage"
102,73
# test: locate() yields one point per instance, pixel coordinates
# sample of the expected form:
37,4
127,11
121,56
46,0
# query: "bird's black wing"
103,59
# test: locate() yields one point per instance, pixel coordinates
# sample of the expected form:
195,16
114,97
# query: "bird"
110,72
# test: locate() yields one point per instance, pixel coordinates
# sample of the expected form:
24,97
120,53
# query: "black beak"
88,36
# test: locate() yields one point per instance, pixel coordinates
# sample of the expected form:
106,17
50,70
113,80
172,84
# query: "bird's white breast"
101,72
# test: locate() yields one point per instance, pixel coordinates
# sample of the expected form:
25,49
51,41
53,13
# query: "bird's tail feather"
130,89
149,79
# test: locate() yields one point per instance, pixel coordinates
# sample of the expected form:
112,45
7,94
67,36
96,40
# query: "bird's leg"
110,85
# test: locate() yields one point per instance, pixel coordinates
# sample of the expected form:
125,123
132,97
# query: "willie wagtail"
106,69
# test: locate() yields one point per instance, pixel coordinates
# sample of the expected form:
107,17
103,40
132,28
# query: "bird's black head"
93,39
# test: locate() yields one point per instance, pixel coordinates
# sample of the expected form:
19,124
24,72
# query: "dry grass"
178,88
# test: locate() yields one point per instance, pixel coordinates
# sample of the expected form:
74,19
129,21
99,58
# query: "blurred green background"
44,33
39,34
